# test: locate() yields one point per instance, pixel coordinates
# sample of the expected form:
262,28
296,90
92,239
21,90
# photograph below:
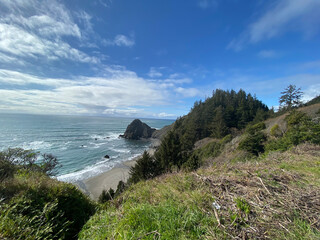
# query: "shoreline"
94,186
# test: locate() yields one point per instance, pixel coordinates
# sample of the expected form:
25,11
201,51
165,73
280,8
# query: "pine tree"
219,127
291,97
144,169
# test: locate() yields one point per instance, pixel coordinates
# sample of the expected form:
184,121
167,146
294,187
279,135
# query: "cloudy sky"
152,58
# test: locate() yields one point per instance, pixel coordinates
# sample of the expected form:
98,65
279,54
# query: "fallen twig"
264,185
149,233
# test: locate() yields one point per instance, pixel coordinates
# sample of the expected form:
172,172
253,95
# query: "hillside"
276,196
224,171
256,180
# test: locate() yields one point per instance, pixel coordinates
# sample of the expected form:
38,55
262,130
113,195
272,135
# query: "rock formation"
137,130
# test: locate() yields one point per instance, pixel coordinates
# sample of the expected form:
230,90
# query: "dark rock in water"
107,156
137,130
96,139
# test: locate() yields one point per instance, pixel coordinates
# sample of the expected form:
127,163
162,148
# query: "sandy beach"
110,179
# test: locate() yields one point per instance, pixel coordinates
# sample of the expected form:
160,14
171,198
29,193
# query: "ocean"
79,142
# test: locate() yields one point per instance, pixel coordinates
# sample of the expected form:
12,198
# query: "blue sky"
152,58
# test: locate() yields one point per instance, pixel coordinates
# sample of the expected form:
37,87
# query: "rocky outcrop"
137,130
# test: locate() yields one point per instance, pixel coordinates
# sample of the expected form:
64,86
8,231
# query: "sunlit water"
80,143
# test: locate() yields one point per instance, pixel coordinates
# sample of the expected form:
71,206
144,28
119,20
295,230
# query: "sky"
154,58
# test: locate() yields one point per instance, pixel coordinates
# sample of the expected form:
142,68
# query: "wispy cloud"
188,92
18,42
283,16
205,4
119,40
36,30
154,73
268,54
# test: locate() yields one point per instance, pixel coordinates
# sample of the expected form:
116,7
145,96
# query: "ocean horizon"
79,142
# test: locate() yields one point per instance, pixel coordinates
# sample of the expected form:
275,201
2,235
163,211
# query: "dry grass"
311,111
281,190
270,197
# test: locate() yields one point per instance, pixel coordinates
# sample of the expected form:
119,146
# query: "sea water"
79,142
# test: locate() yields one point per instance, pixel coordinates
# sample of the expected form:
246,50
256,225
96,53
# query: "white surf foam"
89,171
36,145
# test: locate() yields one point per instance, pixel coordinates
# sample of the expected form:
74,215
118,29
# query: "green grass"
38,207
173,208
257,198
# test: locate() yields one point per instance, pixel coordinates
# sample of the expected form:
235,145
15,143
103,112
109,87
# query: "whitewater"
79,142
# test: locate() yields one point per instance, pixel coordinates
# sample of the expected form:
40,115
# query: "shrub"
26,159
36,206
226,139
275,131
106,195
24,221
254,139
253,143
192,163
300,129
120,188
145,168
252,129
7,169
65,201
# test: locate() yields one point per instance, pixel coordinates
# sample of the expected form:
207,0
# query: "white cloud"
311,92
18,42
120,41
105,3
164,115
154,73
267,54
188,92
115,93
33,29
46,18
286,15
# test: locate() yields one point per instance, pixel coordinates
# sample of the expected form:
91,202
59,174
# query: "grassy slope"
275,196
311,111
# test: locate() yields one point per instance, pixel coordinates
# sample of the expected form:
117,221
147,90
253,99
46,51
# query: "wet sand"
110,179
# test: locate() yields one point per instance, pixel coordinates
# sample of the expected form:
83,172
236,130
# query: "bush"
254,139
300,128
275,131
7,169
192,163
36,206
106,195
253,143
36,196
252,129
24,221
26,159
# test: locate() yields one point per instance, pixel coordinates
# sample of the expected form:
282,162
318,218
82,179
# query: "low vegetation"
274,196
222,172
35,206
245,181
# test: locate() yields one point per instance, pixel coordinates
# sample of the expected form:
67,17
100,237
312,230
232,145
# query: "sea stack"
137,130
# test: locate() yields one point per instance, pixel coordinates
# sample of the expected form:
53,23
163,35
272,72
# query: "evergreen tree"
144,169
219,127
169,154
291,97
